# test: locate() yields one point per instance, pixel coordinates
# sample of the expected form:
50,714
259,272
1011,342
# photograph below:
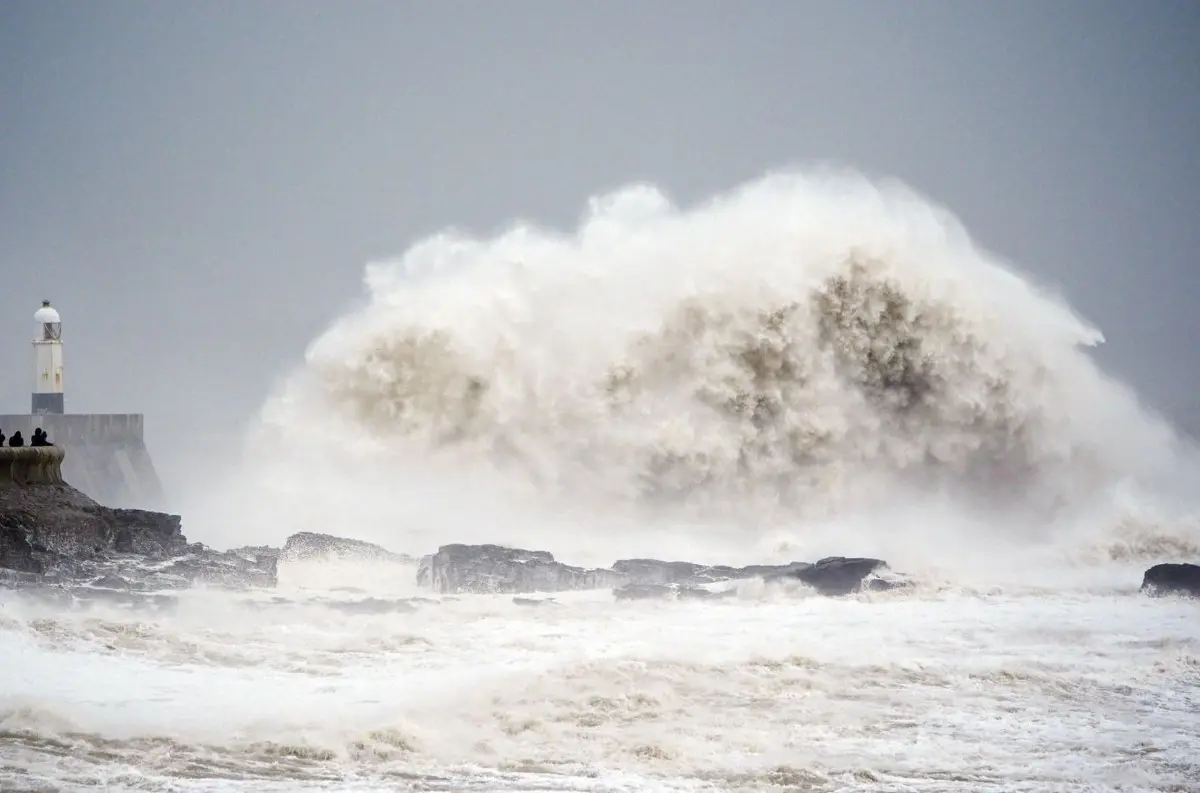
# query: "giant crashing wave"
805,346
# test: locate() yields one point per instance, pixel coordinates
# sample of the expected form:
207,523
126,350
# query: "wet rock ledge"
1172,579
458,569
52,534
55,538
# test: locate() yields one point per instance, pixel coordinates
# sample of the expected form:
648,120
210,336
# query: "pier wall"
106,455
31,466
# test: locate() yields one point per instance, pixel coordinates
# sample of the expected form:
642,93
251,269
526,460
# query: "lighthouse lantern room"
47,362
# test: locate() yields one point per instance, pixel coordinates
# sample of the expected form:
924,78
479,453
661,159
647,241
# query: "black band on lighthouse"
44,404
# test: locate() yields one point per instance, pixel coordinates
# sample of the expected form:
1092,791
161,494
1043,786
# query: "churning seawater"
812,364
942,689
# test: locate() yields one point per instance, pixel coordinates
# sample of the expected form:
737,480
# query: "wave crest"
804,345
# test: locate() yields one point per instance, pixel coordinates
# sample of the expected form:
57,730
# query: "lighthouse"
106,455
47,362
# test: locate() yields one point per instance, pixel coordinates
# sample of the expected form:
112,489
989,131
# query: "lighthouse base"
106,454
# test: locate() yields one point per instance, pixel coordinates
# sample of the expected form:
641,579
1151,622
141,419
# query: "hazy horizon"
199,188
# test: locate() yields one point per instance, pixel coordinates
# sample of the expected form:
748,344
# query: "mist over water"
812,362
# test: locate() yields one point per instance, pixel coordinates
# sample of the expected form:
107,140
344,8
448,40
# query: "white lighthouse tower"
47,362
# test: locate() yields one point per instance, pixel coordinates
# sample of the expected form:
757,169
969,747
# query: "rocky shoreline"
55,538
52,535
478,569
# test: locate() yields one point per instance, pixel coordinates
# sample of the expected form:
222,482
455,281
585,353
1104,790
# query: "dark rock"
1172,579
306,545
16,553
54,519
836,575
261,553
498,569
16,579
228,570
653,571
494,568
253,550
111,581
58,536
155,535
265,562
884,585
690,574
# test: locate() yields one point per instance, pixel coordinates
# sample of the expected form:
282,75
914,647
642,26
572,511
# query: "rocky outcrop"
838,575
309,546
16,552
153,534
458,569
1172,579
201,565
50,533
654,571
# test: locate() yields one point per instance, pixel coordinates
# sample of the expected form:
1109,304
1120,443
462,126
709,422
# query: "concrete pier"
106,455
31,465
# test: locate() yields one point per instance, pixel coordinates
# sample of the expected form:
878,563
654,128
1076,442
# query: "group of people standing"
40,438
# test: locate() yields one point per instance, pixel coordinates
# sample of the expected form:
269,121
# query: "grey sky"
198,185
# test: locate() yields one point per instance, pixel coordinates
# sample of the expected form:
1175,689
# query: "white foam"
594,393
1019,692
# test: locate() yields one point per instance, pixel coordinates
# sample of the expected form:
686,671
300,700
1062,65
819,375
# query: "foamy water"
944,689
808,365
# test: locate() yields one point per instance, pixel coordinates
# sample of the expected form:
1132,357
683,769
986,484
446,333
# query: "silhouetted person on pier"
40,438
2,437
16,439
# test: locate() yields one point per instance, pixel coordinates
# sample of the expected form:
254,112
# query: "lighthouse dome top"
46,315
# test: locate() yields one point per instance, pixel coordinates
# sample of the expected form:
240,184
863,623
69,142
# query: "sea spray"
808,350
